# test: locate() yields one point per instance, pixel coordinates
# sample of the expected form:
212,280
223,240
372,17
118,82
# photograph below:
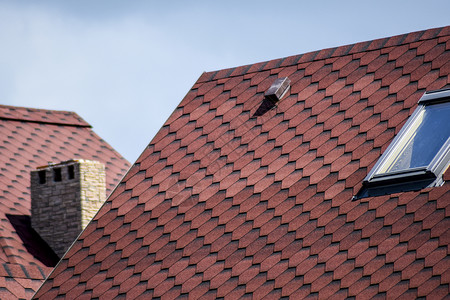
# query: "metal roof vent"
278,89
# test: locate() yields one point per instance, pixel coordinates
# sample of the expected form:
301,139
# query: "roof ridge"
359,47
20,113
36,109
47,122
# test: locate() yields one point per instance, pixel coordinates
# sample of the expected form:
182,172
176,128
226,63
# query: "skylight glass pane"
430,131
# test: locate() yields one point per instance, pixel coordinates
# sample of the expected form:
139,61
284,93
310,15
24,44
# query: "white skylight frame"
383,181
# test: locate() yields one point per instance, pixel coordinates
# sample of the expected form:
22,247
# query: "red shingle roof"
31,138
224,204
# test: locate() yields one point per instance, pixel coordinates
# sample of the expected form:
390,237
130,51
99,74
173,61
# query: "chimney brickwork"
64,198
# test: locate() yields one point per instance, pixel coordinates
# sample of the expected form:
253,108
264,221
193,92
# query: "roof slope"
223,204
31,138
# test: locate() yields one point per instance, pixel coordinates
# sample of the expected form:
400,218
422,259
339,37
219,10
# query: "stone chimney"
64,198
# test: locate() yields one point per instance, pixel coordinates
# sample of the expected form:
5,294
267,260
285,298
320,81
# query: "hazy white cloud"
125,65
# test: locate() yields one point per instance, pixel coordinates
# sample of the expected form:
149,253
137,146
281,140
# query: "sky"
124,66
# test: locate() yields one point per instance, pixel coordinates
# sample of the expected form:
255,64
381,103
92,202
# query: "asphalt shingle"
32,138
229,204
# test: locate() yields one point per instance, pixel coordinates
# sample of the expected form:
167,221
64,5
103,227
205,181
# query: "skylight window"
419,154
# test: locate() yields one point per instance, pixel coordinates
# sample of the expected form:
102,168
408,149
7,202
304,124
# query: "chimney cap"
53,164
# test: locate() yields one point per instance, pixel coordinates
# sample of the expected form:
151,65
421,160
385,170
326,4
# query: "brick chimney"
64,198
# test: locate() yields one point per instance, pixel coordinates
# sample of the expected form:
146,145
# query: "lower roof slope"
32,138
224,204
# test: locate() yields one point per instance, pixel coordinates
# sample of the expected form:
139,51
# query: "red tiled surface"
223,204
31,138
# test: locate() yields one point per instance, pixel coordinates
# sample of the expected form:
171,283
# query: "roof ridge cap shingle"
370,45
75,119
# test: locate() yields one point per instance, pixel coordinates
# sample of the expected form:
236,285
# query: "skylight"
419,154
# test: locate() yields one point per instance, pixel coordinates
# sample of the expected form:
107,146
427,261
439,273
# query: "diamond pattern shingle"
32,138
223,203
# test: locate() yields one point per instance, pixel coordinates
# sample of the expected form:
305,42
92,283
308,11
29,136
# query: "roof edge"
355,48
25,114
